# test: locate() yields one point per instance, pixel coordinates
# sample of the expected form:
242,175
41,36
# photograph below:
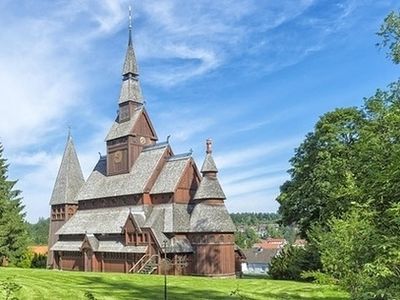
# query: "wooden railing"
142,262
150,260
132,270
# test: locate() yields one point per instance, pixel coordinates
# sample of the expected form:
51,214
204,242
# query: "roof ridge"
155,146
179,156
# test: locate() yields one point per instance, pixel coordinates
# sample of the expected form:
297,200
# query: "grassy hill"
51,284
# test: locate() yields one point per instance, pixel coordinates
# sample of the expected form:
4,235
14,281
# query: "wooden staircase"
146,265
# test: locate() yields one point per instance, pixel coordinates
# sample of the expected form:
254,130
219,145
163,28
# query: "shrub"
360,257
292,261
39,261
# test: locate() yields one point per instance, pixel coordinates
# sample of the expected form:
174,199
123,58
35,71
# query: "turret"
209,190
68,183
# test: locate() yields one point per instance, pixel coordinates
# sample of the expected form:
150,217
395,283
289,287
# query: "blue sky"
252,75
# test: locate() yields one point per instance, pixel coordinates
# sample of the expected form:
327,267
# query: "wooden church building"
143,208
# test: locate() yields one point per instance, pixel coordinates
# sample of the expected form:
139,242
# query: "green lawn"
51,284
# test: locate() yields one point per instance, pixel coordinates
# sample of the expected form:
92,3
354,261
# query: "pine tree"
13,232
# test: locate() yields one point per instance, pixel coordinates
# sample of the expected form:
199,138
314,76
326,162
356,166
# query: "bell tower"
132,129
63,203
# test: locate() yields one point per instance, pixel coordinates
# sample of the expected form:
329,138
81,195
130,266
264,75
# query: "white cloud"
254,185
235,177
252,153
254,202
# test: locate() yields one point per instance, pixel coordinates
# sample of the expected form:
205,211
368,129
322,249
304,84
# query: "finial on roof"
208,146
191,151
168,137
130,26
209,166
69,136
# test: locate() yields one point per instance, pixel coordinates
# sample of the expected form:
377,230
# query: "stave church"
143,209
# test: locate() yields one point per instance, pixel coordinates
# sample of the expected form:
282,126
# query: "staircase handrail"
137,263
147,261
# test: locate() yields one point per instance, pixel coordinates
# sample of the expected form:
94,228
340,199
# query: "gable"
143,126
170,175
131,225
86,245
190,178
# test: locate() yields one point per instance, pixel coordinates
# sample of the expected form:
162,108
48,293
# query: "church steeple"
209,188
130,90
69,178
132,129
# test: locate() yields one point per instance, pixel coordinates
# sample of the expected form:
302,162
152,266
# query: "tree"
390,33
322,183
359,256
13,232
344,189
39,232
247,238
292,261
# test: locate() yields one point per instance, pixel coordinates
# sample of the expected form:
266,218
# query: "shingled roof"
167,181
99,185
170,218
67,246
209,164
209,188
211,218
102,220
122,129
69,178
260,256
130,65
102,246
130,91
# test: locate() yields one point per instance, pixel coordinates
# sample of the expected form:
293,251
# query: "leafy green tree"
292,261
247,238
357,255
346,181
322,183
390,33
39,231
254,218
13,232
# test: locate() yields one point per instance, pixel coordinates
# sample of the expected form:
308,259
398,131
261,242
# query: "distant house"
270,244
258,260
42,250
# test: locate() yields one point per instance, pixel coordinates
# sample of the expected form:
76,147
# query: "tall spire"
69,178
130,90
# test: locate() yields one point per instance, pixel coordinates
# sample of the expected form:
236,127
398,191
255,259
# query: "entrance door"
87,257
